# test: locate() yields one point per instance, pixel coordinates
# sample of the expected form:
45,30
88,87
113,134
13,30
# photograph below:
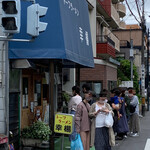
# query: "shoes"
135,135
116,144
118,138
125,136
130,133
140,116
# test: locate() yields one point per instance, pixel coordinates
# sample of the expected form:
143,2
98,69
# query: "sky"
129,19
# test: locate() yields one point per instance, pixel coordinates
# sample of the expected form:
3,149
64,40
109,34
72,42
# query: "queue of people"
91,114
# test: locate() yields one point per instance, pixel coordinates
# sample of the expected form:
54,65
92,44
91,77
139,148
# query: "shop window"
14,80
37,93
94,86
25,92
97,87
112,85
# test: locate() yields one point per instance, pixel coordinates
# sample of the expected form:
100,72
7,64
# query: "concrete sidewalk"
137,143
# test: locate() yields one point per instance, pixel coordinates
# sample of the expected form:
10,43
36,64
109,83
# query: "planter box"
31,142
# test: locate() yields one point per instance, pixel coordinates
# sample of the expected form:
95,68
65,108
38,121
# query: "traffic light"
10,16
34,26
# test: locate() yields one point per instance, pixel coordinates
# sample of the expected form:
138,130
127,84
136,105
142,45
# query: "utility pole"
131,58
142,61
148,71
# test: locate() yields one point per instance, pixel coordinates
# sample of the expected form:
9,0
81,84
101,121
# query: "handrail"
104,39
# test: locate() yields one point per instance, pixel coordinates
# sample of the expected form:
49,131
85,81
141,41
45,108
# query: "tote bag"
109,120
77,143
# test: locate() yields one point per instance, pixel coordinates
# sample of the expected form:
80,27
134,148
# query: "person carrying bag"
134,115
82,121
101,130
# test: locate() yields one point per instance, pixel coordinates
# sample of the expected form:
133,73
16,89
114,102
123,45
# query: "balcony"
121,9
115,19
105,47
113,37
106,9
122,25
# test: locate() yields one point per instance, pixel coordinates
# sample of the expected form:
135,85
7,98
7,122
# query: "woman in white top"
75,100
72,106
99,131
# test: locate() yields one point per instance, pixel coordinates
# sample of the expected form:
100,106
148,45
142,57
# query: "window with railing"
105,39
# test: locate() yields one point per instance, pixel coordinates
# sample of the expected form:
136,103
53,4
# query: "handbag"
77,143
109,120
111,137
132,108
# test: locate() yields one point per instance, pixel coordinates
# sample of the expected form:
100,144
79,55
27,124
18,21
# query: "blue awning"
67,35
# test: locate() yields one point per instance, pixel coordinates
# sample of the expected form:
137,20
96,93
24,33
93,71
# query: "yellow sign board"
64,123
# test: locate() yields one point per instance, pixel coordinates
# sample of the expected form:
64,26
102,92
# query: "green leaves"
124,73
39,130
65,96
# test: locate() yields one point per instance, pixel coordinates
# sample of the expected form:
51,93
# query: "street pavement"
141,142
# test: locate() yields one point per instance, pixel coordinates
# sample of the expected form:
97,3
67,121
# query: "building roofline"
126,30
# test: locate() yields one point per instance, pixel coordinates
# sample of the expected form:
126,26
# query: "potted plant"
35,134
65,98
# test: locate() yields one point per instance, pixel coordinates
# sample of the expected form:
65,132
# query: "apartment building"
104,17
132,32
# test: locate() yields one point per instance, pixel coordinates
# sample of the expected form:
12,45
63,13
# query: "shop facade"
43,65
102,76
29,95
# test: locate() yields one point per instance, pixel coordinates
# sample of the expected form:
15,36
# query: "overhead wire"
132,6
131,11
140,4
138,10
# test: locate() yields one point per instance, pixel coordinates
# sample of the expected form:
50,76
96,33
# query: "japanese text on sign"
81,33
64,123
70,6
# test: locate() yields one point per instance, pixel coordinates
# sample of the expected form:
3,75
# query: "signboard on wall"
64,123
126,84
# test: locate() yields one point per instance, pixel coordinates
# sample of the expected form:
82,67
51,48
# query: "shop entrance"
34,99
